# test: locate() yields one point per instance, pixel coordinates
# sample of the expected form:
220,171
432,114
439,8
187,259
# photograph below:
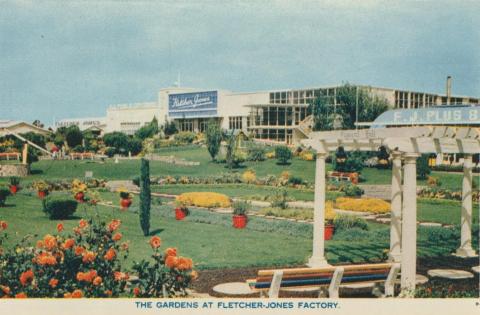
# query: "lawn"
128,169
209,239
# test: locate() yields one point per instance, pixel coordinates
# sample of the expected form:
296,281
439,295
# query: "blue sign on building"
445,115
193,105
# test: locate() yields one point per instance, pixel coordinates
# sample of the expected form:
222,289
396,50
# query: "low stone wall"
7,170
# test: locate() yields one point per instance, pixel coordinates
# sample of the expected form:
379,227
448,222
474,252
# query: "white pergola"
405,144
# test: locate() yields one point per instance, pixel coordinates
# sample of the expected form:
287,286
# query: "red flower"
3,225
79,250
59,227
97,281
69,243
77,294
184,263
136,291
49,241
53,282
155,242
88,257
20,295
117,237
171,261
82,224
110,255
120,276
114,224
171,251
26,277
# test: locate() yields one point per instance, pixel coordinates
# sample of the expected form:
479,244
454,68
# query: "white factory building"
267,115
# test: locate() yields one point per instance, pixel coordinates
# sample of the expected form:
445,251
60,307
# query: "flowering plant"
78,187
41,186
85,264
168,276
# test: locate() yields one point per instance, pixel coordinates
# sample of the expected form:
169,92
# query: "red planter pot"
13,189
80,197
180,214
41,194
239,221
125,203
329,229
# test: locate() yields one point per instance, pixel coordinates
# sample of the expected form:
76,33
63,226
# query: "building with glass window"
273,116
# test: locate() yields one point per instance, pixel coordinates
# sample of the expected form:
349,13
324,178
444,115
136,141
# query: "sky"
68,60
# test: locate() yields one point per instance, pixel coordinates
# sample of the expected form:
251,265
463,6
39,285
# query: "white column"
396,209
409,225
318,252
465,249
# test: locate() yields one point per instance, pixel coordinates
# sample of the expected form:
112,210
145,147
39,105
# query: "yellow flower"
374,205
204,199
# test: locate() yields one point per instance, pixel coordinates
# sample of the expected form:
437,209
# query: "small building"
19,127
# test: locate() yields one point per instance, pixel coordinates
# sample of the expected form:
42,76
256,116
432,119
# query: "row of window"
282,135
278,116
405,99
300,96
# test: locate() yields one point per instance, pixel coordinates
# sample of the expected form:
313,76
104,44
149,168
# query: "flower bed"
204,199
298,213
440,193
88,264
374,205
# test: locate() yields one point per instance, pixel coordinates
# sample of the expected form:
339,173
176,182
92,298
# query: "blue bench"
272,280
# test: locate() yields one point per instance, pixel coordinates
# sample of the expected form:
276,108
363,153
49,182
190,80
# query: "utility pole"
356,107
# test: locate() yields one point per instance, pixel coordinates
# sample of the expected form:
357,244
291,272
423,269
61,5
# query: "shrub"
270,155
204,199
73,136
185,137
14,180
249,176
59,206
213,136
78,148
294,180
347,222
170,128
354,234
353,190
279,200
110,151
4,193
145,197
117,140
433,181
307,155
363,205
241,207
168,275
283,154
256,153
423,170
134,145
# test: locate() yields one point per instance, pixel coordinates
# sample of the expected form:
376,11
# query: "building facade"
269,115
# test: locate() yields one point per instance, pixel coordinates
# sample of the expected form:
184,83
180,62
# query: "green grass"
210,240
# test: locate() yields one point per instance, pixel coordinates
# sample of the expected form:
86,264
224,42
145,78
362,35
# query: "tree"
148,130
213,136
325,113
73,136
283,154
170,128
134,145
38,123
145,197
117,140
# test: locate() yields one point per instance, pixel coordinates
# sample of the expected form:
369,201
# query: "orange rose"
120,276
3,225
117,237
53,282
114,224
59,227
46,259
125,246
77,294
110,255
97,281
88,257
77,230
26,277
79,250
69,243
50,242
155,242
171,261
171,251
82,224
67,295
80,276
39,244
184,263
5,289
108,292
20,295
194,275
136,291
